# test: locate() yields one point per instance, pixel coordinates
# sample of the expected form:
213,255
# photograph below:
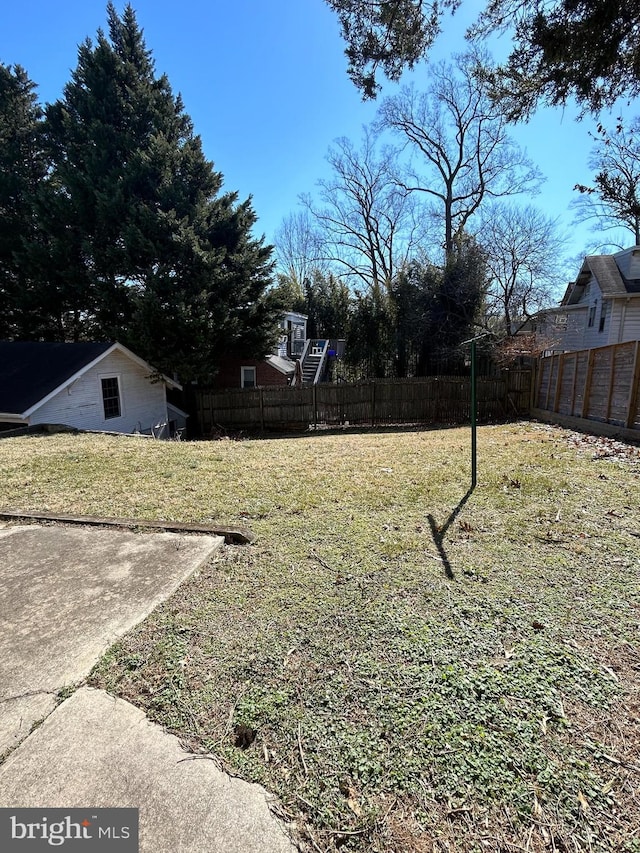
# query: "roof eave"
170,382
116,346
13,417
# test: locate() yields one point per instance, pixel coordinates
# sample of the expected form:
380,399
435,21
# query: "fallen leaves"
602,447
584,805
350,793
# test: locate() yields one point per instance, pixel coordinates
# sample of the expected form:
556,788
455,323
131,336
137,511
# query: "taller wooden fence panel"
599,385
633,404
430,399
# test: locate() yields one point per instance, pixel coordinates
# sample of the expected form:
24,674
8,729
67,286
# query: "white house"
93,386
294,335
602,306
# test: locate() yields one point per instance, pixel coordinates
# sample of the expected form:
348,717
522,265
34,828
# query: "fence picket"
603,386
429,399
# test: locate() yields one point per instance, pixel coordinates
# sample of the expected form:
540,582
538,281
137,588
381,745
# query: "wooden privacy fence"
596,385
429,399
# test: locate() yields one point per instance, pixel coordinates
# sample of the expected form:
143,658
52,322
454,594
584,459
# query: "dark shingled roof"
30,371
606,271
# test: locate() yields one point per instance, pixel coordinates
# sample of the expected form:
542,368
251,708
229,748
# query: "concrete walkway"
66,594
96,751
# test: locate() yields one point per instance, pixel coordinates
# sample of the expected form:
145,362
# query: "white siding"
143,403
617,313
623,322
631,327
591,337
556,336
576,327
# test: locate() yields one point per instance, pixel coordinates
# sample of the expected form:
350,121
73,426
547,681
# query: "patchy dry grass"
406,669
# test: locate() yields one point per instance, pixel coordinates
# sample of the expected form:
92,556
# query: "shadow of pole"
439,532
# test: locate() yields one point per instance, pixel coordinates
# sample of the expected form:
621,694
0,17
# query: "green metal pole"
474,445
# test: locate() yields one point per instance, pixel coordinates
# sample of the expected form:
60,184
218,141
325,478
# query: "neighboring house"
278,368
94,386
294,335
240,372
295,360
602,306
308,359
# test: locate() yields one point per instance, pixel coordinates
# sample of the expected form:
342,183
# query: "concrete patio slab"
66,594
98,751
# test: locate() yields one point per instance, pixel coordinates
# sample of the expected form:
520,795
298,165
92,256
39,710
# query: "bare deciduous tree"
460,151
368,222
523,250
613,201
298,248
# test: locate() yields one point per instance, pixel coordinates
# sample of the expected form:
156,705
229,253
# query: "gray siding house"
92,386
601,307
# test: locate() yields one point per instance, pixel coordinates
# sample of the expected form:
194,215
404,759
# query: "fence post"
474,416
633,392
262,409
373,402
315,406
587,385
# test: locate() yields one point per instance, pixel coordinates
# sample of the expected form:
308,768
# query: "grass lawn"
407,670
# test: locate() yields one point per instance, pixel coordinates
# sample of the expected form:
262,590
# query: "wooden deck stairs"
313,361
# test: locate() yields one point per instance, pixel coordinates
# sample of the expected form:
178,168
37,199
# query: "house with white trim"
601,307
92,386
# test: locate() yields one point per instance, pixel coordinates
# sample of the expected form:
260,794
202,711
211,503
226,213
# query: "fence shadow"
440,531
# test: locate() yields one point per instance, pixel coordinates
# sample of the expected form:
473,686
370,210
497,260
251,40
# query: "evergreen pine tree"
22,167
143,246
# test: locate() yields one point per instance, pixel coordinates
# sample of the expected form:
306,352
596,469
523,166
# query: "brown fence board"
599,384
565,389
622,381
633,405
429,399
581,381
600,379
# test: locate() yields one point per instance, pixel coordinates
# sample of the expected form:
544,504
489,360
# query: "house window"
604,309
592,316
247,377
110,397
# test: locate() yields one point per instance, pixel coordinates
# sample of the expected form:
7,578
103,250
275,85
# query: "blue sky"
265,84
